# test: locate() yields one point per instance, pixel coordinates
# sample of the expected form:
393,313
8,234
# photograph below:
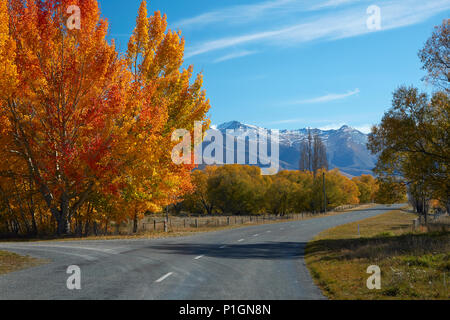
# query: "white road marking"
222,247
240,240
268,231
199,257
255,235
164,277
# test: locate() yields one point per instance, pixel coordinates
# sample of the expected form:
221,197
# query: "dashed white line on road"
199,257
222,247
240,240
164,277
255,235
268,231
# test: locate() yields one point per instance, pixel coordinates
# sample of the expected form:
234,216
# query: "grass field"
10,262
413,265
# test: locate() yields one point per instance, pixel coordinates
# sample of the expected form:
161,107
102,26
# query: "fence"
180,223
439,223
436,222
346,207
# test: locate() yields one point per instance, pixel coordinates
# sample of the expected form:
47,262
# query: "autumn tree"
201,199
390,191
84,128
162,99
435,56
59,116
237,189
412,140
279,196
340,190
367,186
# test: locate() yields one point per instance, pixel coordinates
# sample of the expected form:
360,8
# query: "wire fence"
179,223
184,222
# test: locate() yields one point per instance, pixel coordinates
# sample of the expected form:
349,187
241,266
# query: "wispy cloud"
331,4
234,14
234,55
327,98
240,14
330,26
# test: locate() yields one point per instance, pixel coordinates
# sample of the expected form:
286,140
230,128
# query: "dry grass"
10,262
413,265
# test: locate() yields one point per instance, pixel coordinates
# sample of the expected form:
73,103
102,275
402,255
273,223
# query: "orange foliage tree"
81,121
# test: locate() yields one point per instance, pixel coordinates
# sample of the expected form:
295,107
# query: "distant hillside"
346,147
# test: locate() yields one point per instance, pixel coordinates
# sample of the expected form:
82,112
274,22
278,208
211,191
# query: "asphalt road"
252,263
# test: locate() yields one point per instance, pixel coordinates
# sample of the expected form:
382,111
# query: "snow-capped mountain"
346,147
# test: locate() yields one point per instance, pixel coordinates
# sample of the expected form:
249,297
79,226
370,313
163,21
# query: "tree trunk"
135,222
95,228
87,228
34,229
61,225
61,216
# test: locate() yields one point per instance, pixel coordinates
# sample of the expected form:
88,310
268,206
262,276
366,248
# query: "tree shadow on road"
265,251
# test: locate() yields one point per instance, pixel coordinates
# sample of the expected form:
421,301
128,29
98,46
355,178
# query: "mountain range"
346,147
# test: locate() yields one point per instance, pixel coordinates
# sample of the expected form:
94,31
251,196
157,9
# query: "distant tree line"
242,190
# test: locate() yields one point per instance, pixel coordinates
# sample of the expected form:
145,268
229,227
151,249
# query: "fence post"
228,220
196,222
184,223
416,224
154,225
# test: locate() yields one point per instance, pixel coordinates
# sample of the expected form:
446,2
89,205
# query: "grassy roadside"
10,262
413,265
181,232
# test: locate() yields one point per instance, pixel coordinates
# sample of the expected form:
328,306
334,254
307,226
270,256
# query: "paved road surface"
251,263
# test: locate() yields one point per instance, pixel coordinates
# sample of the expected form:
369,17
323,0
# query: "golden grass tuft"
10,262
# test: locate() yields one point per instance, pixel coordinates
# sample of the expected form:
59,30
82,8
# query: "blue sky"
289,64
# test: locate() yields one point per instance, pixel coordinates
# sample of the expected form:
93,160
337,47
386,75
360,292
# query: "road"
253,263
